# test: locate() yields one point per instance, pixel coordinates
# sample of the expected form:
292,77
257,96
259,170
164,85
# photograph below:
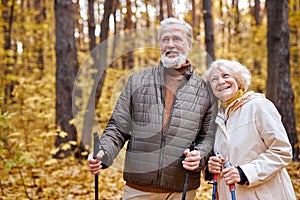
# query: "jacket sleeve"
117,131
206,136
278,153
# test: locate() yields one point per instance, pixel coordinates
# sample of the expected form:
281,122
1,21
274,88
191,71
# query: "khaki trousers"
133,194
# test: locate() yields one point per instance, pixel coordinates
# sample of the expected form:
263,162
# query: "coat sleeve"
206,137
118,128
278,153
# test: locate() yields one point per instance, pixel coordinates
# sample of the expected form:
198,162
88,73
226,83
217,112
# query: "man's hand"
192,159
95,164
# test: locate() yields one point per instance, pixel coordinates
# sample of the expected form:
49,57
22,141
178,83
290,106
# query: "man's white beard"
174,63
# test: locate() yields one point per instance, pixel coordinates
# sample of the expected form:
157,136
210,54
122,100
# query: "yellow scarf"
237,95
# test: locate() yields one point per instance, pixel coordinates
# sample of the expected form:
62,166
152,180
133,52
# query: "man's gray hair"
168,21
238,71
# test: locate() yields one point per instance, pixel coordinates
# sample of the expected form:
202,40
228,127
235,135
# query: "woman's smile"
224,85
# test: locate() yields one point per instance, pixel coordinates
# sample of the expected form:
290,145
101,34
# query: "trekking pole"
192,147
215,182
96,149
232,186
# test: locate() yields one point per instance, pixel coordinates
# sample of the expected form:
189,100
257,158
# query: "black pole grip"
192,146
96,145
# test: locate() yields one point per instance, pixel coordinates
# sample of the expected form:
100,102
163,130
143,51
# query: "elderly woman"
250,135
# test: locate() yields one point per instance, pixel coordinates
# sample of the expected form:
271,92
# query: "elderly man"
160,112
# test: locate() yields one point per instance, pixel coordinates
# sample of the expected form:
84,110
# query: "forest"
64,64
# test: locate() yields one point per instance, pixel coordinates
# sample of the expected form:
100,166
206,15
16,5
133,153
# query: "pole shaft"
96,187
185,185
96,149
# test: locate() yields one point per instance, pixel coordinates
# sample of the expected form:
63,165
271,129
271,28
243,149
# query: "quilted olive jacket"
153,157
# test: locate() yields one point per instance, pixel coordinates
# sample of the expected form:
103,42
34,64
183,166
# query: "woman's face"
224,86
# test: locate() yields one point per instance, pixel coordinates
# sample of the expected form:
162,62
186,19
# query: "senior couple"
163,110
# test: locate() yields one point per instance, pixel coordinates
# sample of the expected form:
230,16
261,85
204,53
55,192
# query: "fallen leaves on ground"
70,179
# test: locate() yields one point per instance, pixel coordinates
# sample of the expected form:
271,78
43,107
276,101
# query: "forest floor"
70,179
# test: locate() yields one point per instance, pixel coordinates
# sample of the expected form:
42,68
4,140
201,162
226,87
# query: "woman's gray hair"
238,71
168,21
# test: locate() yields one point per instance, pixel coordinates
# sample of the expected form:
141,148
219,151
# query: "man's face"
174,46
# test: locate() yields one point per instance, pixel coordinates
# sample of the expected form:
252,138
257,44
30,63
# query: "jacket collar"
187,74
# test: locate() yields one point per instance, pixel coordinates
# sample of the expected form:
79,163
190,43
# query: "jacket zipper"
162,142
164,134
223,126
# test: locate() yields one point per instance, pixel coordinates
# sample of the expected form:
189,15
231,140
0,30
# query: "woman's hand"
231,175
215,164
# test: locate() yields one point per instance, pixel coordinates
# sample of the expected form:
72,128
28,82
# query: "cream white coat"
254,138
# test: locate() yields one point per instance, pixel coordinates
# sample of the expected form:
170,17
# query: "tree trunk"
161,10
209,33
222,26
115,40
128,60
256,62
169,8
279,88
7,16
257,12
101,56
91,24
229,25
196,19
237,19
66,69
147,14
38,47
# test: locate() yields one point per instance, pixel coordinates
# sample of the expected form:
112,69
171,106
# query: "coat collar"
235,105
